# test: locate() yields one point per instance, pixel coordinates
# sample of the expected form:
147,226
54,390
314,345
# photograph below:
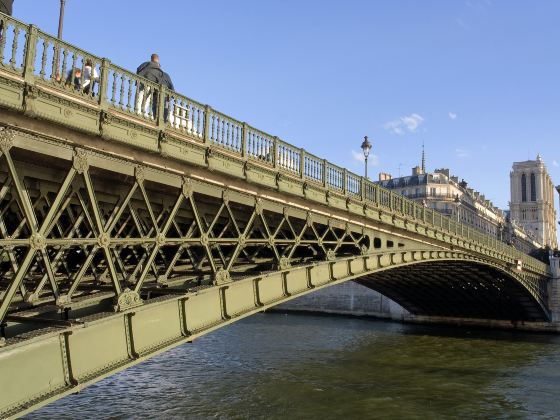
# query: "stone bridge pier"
554,290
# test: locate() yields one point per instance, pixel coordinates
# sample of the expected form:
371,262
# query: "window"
523,188
533,188
433,192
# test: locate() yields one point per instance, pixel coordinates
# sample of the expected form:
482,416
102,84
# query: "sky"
478,81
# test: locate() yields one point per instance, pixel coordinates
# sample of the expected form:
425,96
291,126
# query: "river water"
281,366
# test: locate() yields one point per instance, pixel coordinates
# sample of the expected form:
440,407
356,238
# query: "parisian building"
532,200
447,194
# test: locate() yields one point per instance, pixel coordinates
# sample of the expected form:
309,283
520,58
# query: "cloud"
373,160
462,23
462,153
401,125
452,115
555,163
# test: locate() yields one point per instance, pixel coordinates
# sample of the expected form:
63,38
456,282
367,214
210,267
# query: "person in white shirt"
87,79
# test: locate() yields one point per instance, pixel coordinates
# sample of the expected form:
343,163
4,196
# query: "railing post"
376,195
275,151
325,173
302,163
161,107
391,201
244,140
30,52
206,134
344,181
103,83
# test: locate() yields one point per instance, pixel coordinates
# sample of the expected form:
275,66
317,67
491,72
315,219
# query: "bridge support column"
554,289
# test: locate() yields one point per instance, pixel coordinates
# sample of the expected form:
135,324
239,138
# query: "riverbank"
353,299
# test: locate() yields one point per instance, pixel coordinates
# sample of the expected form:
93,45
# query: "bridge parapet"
38,77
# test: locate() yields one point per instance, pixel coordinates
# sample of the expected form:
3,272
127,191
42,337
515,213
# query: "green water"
296,366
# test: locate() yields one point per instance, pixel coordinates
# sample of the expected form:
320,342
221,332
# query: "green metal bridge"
134,219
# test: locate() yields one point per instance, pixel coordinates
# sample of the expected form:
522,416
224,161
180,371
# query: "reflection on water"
301,366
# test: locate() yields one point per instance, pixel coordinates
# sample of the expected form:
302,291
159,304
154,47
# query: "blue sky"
477,80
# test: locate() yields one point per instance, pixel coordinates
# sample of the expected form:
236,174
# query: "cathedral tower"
532,200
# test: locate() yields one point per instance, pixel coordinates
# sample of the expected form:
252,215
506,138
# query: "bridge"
134,219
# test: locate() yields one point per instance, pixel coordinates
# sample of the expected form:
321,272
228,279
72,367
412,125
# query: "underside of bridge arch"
456,289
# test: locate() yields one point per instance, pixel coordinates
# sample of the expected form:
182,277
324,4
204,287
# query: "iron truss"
72,229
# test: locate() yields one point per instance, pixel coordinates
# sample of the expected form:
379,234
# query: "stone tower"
532,200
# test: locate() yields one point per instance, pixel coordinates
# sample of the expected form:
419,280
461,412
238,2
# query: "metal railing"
38,57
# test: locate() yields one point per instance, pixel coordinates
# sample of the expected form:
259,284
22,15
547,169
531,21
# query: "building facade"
444,193
532,201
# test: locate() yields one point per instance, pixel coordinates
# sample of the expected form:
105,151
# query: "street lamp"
366,147
56,69
61,18
501,231
457,201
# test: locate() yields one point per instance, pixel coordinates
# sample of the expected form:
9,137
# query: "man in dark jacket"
152,71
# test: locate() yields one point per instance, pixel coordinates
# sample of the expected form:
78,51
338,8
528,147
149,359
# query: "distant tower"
423,159
532,200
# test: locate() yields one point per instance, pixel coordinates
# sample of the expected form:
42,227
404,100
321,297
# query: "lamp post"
500,231
56,69
61,18
457,201
366,147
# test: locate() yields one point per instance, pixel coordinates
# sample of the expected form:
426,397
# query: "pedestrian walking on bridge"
152,71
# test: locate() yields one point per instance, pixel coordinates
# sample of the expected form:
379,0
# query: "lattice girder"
128,226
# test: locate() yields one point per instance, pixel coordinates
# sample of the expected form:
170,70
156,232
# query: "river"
292,366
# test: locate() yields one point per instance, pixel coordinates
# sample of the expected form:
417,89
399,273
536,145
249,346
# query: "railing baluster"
72,69
4,25
223,124
14,47
212,135
121,94
64,63
227,143
54,65
129,104
114,93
